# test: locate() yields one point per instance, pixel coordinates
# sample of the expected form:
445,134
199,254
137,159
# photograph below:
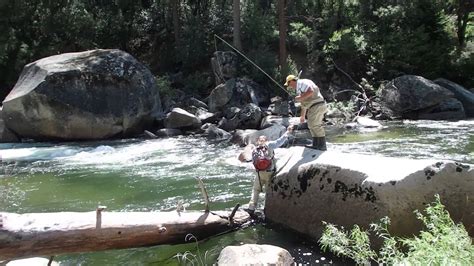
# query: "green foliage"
375,40
198,82
442,242
258,27
354,244
164,86
300,34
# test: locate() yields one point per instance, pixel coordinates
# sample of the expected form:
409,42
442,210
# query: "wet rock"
367,122
347,189
95,94
168,132
253,254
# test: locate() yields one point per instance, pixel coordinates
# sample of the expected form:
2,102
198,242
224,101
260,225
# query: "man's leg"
264,178
315,124
257,188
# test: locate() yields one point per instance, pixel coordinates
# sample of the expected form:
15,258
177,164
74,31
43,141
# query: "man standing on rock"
262,156
313,106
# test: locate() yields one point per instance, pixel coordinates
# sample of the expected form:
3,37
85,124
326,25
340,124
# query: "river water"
154,175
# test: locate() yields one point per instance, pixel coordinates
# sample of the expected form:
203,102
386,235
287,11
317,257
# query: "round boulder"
94,94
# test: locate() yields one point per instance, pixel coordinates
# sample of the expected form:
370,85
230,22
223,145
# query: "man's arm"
305,95
281,140
302,115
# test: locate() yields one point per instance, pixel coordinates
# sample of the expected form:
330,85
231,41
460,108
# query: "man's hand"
290,128
302,119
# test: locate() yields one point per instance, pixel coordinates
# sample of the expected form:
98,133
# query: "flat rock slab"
346,189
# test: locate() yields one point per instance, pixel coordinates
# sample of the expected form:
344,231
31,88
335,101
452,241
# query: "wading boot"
315,144
321,144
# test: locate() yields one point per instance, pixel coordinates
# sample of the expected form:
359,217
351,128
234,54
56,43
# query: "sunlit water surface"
154,175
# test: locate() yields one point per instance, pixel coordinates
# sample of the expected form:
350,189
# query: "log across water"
35,234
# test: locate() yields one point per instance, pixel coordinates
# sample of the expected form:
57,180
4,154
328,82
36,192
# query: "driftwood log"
40,234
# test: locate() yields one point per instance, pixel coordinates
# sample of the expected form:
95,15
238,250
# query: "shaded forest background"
371,40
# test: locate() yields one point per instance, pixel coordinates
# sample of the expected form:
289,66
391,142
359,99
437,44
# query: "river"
154,175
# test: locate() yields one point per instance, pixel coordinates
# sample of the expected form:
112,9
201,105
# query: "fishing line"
248,59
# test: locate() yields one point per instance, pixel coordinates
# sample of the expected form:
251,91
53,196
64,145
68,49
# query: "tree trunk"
463,10
282,34
176,25
236,32
40,234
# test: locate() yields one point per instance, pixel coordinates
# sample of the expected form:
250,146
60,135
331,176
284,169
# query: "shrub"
443,242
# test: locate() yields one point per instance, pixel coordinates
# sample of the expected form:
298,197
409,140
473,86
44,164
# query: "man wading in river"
312,105
264,163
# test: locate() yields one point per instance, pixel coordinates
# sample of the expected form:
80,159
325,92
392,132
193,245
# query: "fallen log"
40,234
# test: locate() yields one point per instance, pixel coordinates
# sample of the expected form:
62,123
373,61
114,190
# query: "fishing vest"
262,158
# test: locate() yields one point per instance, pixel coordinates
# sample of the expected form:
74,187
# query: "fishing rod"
255,65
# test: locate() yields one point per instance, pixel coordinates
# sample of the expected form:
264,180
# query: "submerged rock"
87,95
253,254
346,189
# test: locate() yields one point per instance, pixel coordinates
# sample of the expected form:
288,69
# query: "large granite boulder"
88,95
253,254
409,96
465,96
346,189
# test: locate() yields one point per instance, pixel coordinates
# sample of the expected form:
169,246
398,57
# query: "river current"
156,175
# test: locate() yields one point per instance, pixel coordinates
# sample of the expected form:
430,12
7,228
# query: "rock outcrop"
346,189
87,95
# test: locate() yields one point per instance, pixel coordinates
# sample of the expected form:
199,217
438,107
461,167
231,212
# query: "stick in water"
204,193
